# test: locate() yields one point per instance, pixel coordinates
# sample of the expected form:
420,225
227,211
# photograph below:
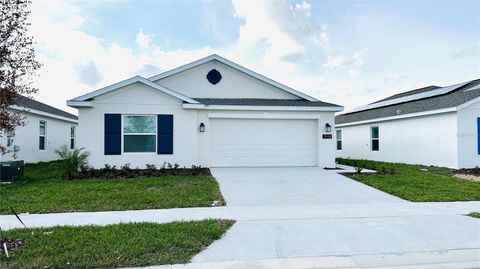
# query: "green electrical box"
11,171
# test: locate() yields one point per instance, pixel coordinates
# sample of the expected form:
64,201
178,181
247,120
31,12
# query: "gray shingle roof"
403,94
32,104
452,99
262,102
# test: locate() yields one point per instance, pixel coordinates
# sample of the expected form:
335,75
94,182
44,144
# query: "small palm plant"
71,160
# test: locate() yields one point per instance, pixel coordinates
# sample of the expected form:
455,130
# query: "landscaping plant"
167,169
71,160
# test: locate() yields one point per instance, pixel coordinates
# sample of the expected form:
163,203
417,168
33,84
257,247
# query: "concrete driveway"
311,212
294,186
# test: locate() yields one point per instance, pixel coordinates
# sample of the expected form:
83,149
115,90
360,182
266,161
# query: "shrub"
358,170
71,160
151,167
384,171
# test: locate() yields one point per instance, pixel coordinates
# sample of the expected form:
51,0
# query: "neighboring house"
211,112
430,126
46,129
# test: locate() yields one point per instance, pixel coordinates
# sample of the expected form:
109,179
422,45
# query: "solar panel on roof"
413,97
476,87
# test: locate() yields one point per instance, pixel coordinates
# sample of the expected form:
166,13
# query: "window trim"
44,135
337,139
73,136
372,138
10,138
123,134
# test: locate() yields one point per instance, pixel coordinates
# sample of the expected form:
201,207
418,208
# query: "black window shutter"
165,134
113,133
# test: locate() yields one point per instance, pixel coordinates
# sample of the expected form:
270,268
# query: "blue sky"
347,52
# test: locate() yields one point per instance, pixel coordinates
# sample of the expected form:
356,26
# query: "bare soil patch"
468,177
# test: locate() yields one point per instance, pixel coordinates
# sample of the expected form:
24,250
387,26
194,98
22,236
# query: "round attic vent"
214,76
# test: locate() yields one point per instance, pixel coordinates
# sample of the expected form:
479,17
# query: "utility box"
11,171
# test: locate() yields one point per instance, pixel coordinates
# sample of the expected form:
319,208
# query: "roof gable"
79,101
212,58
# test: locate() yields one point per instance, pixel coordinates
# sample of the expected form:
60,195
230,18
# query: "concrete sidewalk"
243,213
113,217
449,259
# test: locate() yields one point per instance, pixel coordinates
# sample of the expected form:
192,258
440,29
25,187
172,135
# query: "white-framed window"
339,139
10,138
72,136
139,133
375,138
42,135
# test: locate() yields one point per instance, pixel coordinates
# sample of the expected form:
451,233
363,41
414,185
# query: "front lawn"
43,191
409,182
112,246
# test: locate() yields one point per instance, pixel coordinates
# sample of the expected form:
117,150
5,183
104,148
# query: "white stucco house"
429,126
211,112
46,129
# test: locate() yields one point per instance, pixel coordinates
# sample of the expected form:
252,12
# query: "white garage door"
258,142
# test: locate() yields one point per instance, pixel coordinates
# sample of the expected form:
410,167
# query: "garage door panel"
258,142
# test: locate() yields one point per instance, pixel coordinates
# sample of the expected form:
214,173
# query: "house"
46,129
211,112
429,126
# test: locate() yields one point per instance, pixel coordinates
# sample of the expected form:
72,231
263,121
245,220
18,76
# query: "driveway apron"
309,212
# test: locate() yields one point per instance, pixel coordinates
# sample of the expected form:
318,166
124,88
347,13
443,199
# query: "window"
339,139
43,134
10,138
72,137
375,138
139,133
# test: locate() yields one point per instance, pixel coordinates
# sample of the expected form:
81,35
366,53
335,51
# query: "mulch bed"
12,244
468,171
134,173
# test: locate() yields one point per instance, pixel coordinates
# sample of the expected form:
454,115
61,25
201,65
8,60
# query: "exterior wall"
234,84
138,99
27,138
190,146
468,155
427,140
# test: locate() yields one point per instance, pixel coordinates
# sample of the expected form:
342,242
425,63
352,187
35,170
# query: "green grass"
43,192
119,245
475,215
411,183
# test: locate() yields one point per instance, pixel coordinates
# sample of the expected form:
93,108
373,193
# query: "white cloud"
143,40
279,40
341,61
76,63
88,73
285,29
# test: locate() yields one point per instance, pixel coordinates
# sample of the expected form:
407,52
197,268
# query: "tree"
18,66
